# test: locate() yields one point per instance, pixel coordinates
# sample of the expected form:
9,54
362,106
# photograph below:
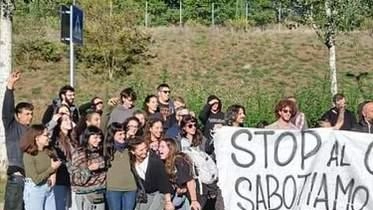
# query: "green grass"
251,68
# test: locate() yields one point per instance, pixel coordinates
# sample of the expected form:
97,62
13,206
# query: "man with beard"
66,96
284,111
339,113
366,123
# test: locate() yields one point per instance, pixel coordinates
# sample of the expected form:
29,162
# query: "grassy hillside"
252,68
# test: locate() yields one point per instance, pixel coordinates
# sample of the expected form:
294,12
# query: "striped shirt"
84,180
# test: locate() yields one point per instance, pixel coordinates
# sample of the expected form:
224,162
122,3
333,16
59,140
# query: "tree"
115,52
327,18
6,13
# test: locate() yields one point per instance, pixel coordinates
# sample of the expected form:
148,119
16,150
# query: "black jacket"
363,127
156,178
209,120
51,110
332,116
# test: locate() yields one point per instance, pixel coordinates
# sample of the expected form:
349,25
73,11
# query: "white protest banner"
317,169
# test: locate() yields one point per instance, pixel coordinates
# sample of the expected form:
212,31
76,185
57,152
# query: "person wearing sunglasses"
192,138
284,111
96,103
164,98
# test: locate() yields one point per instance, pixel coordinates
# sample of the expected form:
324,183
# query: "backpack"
205,168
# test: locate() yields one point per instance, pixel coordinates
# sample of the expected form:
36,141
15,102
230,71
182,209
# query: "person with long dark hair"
235,116
179,169
131,127
40,168
150,172
192,137
121,184
88,170
61,127
150,106
153,133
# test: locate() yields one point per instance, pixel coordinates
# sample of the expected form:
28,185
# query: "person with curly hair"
180,173
284,111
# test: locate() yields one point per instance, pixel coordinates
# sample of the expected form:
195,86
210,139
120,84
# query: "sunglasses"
286,111
132,126
98,103
167,91
192,125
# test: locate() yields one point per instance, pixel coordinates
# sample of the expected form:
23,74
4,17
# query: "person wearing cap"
211,115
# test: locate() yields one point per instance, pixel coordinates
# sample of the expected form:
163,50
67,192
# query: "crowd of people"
113,155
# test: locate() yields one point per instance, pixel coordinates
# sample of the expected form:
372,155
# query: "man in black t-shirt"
338,117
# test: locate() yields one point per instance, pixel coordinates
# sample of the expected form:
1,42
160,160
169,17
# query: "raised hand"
12,79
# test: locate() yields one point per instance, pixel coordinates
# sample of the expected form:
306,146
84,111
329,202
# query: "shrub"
113,42
39,49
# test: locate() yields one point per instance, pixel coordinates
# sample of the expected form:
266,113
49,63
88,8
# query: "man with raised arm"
16,120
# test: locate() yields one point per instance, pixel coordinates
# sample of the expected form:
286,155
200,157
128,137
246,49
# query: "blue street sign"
77,24
71,20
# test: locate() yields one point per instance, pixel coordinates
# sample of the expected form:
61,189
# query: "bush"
113,41
39,49
240,24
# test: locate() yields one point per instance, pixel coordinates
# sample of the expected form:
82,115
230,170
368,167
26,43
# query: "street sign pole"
72,19
71,48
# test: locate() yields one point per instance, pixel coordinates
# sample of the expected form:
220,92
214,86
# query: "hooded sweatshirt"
210,119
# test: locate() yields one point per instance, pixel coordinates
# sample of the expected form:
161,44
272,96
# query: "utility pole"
146,13
181,13
213,14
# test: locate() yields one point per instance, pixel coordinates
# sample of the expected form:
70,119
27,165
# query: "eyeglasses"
191,125
166,91
286,111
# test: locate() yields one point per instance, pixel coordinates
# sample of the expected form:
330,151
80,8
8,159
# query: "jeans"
181,202
14,193
39,197
62,194
121,200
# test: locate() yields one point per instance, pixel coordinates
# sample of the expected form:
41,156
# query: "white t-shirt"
141,168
